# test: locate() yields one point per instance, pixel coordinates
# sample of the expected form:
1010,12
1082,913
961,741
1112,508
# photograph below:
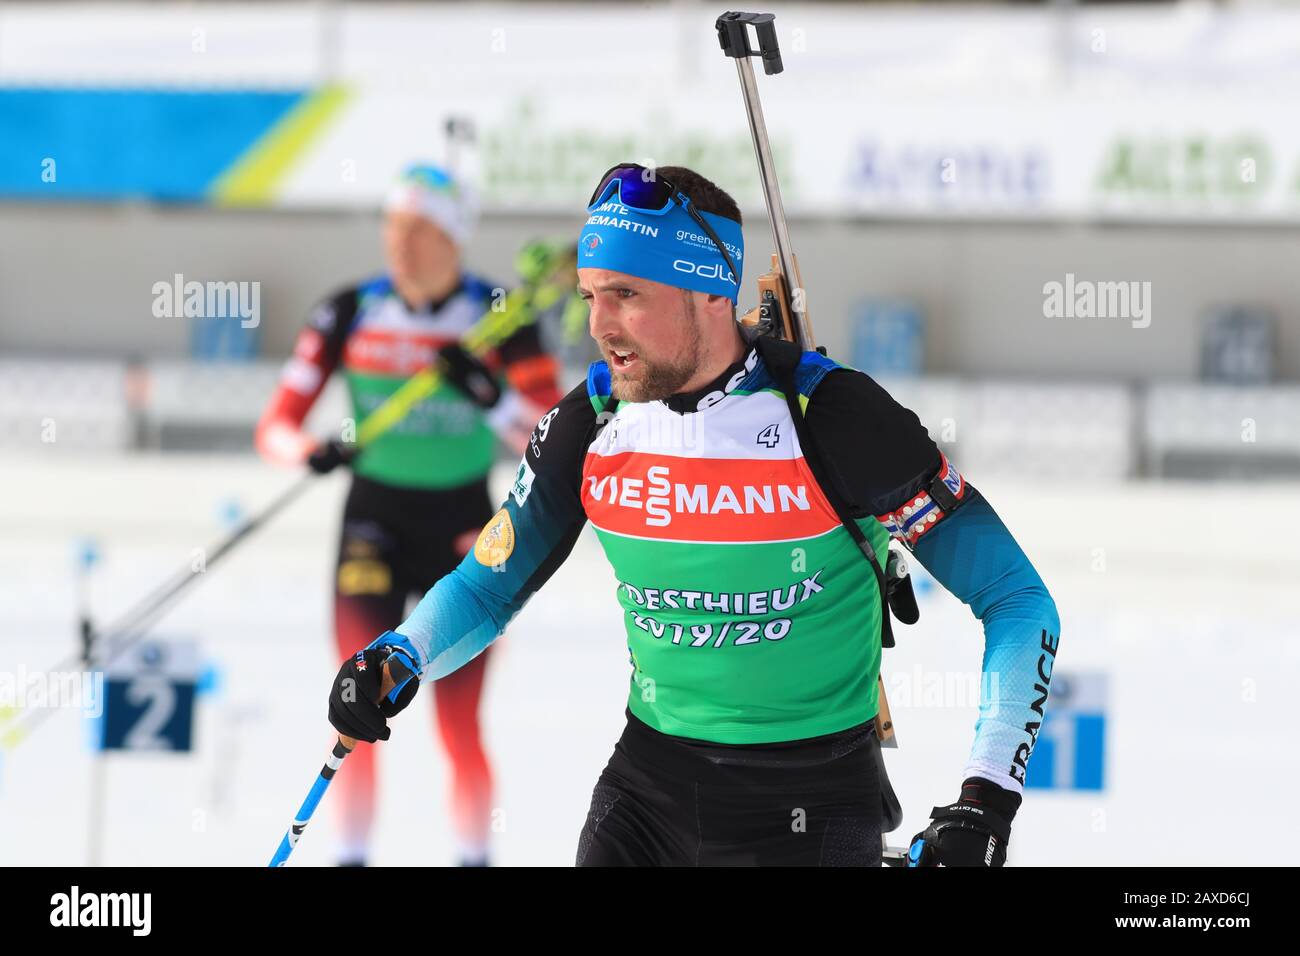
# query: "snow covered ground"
1184,595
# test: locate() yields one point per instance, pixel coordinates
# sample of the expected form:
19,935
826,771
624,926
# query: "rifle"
782,313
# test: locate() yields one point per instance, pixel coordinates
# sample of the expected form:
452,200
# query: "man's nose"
601,321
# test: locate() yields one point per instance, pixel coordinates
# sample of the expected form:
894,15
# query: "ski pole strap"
782,358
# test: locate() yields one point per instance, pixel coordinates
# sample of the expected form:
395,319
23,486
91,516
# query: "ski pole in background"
457,130
491,330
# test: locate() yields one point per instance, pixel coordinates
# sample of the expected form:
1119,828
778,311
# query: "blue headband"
666,246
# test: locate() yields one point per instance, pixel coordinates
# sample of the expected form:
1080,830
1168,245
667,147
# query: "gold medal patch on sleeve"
496,541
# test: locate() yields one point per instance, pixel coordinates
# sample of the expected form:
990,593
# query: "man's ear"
716,301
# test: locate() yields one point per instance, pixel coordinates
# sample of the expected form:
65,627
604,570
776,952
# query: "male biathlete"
419,492
753,620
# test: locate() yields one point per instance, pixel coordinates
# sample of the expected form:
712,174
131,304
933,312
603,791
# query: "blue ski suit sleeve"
885,464
973,555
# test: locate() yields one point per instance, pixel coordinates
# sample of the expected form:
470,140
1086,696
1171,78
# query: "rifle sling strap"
782,358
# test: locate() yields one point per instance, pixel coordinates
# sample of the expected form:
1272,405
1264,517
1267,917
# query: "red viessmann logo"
388,352
704,499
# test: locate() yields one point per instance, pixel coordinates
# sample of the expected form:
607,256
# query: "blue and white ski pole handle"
304,815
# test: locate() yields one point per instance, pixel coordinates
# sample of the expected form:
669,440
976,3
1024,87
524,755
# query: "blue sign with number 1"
1071,748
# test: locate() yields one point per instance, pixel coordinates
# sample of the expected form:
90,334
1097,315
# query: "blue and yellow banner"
219,146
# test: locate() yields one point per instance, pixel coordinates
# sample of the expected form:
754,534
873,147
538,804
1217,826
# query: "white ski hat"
431,192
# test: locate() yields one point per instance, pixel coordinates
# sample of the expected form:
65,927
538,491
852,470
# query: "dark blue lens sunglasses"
643,188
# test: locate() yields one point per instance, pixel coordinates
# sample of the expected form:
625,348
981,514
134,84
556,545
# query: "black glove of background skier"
974,831
470,375
356,709
329,455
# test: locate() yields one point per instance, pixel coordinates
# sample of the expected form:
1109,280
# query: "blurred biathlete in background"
419,492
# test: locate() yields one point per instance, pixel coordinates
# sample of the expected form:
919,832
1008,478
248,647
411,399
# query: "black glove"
470,375
356,709
974,831
329,455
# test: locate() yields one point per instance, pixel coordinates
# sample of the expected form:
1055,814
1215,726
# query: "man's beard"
658,380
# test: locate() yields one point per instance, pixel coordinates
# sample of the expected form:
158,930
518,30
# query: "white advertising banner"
1165,112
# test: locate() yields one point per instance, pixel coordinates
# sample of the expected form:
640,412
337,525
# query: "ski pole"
893,855
493,329
457,130
135,622
342,747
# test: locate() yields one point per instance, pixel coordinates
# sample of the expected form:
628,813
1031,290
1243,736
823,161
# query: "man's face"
648,333
414,247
